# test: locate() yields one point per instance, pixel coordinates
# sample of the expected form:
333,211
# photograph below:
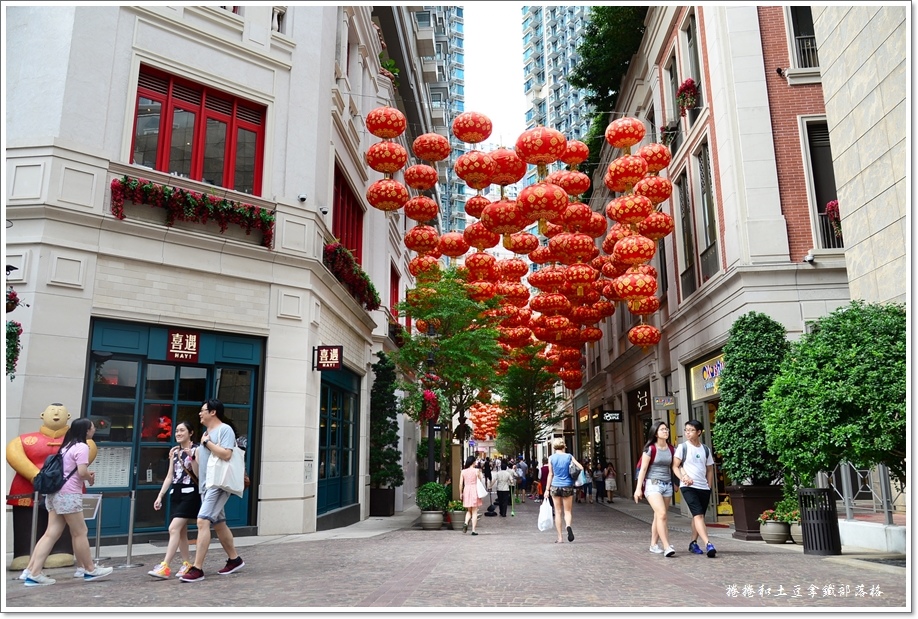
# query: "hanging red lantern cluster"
485,418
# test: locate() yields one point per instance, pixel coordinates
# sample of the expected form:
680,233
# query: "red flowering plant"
687,96
834,217
13,346
12,300
341,262
184,205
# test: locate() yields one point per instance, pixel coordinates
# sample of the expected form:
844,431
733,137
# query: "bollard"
130,539
35,508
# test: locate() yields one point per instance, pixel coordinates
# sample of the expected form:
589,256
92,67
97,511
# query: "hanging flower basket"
12,300
340,261
834,218
687,96
183,205
13,346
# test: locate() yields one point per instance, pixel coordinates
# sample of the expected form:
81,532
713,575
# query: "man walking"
522,485
694,466
501,481
218,441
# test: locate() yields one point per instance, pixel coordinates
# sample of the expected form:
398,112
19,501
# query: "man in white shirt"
694,466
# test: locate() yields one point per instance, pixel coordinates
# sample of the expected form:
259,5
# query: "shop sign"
612,416
327,358
183,346
706,377
664,402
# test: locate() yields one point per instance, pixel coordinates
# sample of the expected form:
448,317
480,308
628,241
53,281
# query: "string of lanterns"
577,286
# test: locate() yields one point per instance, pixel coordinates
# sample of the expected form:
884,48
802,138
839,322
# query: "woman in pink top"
468,490
65,508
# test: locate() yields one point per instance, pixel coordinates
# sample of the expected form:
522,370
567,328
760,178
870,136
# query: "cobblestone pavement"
393,563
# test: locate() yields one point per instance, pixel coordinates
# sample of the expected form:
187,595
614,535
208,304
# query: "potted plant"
432,499
773,528
456,514
753,353
834,217
792,518
385,459
687,96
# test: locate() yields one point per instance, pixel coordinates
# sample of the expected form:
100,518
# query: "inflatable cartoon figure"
26,454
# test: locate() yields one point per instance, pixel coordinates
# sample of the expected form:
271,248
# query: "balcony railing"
807,54
827,234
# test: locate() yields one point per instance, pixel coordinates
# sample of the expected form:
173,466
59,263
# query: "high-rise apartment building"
551,35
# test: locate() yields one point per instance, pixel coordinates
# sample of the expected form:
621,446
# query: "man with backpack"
693,464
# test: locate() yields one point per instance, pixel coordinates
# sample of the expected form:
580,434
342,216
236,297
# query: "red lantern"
422,239
431,147
475,168
453,244
548,279
644,335
624,172
386,122
580,275
632,285
387,195
573,182
577,216
657,156
387,157
521,242
480,237
542,255
472,127
481,290
608,291
646,269
657,225
656,188
616,233
591,334
515,293
512,269
571,376
584,315
541,145
421,177
543,201
475,205
422,264
576,153
502,217
605,308
510,168
612,269
480,264
634,249
596,227
550,303
421,208
629,209
644,306
553,230
572,247
625,132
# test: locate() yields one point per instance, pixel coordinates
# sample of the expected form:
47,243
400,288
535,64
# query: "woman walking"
65,508
597,482
468,490
656,469
587,488
184,501
561,487
611,484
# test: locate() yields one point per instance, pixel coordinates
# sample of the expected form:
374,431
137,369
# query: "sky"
494,67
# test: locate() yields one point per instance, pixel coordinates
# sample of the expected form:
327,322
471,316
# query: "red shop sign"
183,346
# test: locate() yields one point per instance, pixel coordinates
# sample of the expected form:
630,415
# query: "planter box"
382,501
748,502
775,532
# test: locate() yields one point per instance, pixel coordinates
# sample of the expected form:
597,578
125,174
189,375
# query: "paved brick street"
393,563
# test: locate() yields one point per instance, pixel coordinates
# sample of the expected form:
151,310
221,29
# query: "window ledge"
797,77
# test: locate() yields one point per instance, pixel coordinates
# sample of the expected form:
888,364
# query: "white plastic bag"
227,474
545,518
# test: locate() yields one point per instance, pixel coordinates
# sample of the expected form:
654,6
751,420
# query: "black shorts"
184,502
696,499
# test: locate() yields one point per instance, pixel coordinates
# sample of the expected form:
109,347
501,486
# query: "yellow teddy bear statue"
26,454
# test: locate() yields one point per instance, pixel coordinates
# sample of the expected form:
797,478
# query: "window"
823,174
423,18
662,279
347,216
694,72
394,280
197,132
687,230
674,130
804,37
708,246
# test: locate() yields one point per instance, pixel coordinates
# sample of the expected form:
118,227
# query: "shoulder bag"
227,475
482,491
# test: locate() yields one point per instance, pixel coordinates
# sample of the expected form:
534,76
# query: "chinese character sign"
328,358
182,346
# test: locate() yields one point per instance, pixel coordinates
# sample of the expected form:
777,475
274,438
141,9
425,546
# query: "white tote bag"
227,474
482,491
545,519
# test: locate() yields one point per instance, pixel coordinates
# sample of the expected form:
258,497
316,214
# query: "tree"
755,348
840,394
529,399
611,38
385,458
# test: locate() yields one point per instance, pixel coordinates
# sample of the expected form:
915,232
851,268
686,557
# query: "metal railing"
868,491
807,54
827,235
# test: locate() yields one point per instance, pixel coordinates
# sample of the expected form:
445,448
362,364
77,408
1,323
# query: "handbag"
573,469
545,517
582,479
227,474
482,491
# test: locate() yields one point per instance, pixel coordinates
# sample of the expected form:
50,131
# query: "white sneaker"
655,549
670,552
99,572
37,580
80,572
25,574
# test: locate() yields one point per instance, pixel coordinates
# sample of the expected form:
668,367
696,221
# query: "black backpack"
50,478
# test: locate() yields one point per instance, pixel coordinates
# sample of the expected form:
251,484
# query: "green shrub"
432,497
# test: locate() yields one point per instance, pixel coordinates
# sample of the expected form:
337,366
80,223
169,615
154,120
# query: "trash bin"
819,521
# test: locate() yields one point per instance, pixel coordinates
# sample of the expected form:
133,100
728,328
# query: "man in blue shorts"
694,466
218,441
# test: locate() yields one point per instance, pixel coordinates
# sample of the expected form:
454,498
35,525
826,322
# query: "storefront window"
115,378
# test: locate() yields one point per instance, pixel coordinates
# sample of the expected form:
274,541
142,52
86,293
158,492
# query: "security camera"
809,258
301,197
780,71
323,210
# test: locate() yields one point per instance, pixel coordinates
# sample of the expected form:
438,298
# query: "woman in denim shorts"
655,483
561,486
